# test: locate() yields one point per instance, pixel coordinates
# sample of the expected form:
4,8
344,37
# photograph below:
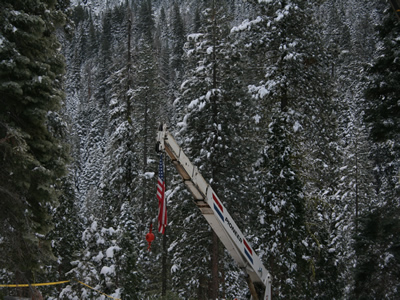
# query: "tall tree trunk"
214,284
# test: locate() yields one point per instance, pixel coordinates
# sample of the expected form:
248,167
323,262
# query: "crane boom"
215,213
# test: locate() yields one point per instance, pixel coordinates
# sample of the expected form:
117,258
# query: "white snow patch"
150,160
100,240
194,103
149,175
98,257
117,294
257,118
202,105
184,84
289,56
110,230
388,257
108,270
246,25
275,209
296,126
183,124
262,92
174,268
110,251
194,37
94,226
172,246
280,16
200,69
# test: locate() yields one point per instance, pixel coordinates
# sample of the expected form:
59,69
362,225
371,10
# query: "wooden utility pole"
214,284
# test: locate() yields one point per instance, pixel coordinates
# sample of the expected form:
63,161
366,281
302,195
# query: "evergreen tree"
32,158
377,251
178,35
282,215
382,93
348,39
67,232
296,118
289,158
145,22
148,107
120,175
212,96
130,274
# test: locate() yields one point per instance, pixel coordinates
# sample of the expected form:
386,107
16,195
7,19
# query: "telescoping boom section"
217,215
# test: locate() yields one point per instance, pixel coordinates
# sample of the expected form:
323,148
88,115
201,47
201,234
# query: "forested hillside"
289,108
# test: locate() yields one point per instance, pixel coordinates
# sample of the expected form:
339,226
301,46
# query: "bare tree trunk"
214,284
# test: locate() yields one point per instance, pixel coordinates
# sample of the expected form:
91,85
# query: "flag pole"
164,246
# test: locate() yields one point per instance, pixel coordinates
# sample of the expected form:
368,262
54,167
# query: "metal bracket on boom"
160,146
216,215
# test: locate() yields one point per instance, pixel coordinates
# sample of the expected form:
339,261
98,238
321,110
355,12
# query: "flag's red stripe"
218,203
162,216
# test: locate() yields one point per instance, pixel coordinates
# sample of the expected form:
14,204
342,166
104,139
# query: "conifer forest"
290,109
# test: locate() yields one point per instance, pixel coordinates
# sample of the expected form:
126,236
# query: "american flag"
162,205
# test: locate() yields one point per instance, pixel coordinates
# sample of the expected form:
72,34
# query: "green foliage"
31,153
378,255
178,33
281,226
383,91
377,245
255,111
146,21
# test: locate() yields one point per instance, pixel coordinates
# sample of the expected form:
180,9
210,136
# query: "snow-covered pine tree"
212,106
65,236
87,107
120,173
282,235
347,27
130,274
96,264
32,157
296,117
178,40
166,74
377,251
149,108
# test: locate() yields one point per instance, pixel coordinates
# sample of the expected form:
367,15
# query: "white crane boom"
216,214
